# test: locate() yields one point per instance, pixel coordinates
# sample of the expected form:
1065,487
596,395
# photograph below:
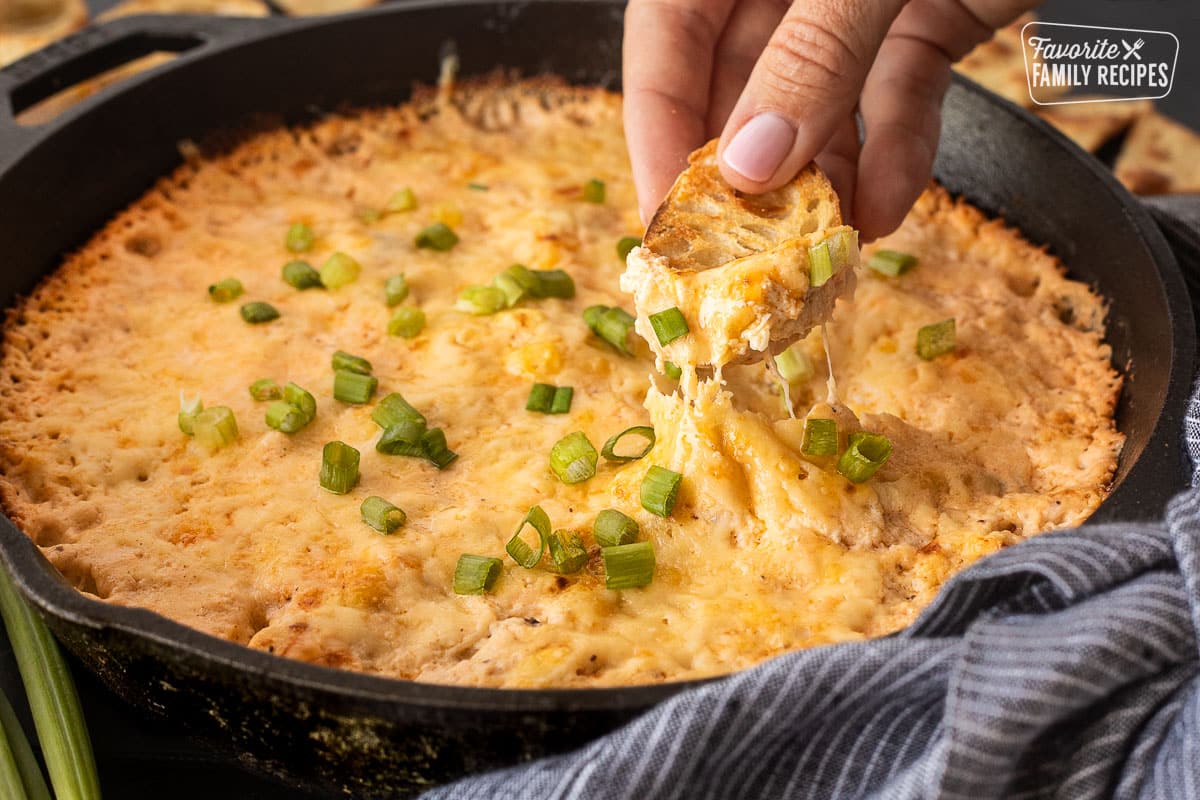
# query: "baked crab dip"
368,393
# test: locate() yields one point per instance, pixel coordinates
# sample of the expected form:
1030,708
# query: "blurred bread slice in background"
1160,156
305,8
28,25
1093,120
224,8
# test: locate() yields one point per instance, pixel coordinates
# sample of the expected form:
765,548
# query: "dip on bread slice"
750,273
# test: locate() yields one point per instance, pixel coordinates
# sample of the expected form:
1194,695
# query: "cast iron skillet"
366,735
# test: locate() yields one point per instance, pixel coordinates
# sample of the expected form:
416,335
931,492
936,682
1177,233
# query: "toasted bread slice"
1093,120
28,25
1160,156
306,8
226,8
738,266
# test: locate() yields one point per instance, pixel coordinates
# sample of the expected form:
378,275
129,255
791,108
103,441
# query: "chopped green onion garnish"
573,459
936,339
395,289
518,281
520,550
406,322
226,290
612,528
794,364
626,245
553,283
257,313
478,187
672,371
299,238
403,200
628,566
339,467
382,515
482,300
820,264
338,270
820,437
434,442
645,431
343,360
660,488
393,409
843,248
301,275
437,236
302,400
265,389
215,427
541,396
561,403
403,439
567,552
593,191
353,387
610,324
369,216
891,262
865,453
188,409
475,574
285,417
668,325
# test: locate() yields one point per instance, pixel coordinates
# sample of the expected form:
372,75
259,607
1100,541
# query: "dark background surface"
142,758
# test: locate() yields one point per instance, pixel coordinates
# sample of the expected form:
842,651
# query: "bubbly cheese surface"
765,551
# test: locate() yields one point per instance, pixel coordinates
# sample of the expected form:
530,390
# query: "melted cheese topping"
765,552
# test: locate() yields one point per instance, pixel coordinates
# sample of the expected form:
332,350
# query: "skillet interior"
368,735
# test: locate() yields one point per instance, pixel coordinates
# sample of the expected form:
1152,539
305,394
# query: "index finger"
667,68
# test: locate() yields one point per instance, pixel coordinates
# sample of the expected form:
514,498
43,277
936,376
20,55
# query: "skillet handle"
96,49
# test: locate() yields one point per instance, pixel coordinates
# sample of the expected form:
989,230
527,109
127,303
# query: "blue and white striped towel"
1065,667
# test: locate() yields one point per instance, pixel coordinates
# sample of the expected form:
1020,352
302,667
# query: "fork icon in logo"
1132,49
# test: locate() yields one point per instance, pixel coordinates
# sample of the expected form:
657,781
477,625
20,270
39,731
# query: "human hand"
780,83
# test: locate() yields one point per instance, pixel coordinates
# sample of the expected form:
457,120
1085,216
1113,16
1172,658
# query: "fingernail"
760,146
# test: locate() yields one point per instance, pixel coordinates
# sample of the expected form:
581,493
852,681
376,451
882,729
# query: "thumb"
804,86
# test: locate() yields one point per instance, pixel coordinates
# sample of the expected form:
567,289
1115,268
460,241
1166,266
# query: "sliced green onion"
668,325
628,566
339,467
301,275
891,262
215,427
257,313
561,403
794,364
520,550
302,400
610,324
188,409
395,289
353,387
865,453
434,442
645,431
403,439
285,417
482,300
820,437
625,245
672,371
541,397
567,552
613,528
265,389
820,264
936,339
394,409
225,290
53,699
299,238
338,270
350,363
406,322
478,187
660,489
382,515
593,191
403,200
475,574
843,248
437,236
553,283
369,216
510,285
520,279
20,774
573,459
